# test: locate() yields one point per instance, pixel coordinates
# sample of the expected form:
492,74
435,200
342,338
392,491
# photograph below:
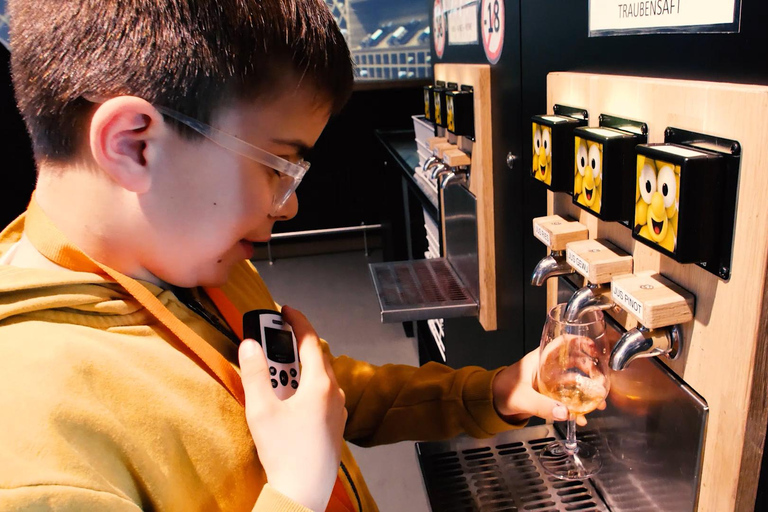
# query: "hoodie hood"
84,291
85,298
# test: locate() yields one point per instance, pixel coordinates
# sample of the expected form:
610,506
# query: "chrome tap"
592,297
643,342
430,162
440,169
454,174
553,265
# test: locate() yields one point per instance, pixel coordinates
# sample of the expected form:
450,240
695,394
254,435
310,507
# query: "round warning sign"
492,27
438,28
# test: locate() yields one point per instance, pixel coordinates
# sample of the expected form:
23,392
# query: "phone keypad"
283,378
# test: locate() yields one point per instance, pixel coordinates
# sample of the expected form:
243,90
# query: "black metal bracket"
638,128
625,125
574,112
731,151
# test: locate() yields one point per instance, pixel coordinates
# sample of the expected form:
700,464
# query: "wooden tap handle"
433,141
441,148
653,300
598,260
555,232
455,158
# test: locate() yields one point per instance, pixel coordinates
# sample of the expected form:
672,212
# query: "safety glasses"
290,174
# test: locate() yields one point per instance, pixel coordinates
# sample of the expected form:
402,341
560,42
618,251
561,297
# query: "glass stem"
570,438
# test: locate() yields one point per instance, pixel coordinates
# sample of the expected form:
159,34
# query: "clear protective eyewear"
290,174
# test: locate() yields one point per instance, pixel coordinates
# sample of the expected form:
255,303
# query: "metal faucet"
643,342
553,265
430,162
592,297
455,174
440,169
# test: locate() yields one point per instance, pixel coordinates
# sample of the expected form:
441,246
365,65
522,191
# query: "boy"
168,137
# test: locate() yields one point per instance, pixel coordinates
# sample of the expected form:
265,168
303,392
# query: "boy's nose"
289,209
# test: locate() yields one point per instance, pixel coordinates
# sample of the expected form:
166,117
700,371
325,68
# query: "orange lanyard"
52,244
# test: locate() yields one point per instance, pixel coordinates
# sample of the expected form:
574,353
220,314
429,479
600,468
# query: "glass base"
564,464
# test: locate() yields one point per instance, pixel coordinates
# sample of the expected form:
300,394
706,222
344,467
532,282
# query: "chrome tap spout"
430,162
592,297
440,169
459,174
551,266
642,342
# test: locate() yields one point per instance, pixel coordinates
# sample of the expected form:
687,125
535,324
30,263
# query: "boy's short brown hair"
188,55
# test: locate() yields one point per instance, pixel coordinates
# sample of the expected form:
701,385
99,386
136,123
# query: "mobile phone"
276,338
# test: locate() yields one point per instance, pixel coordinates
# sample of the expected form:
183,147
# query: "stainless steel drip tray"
500,473
420,290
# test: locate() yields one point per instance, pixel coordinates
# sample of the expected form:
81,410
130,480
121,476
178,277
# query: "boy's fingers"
310,352
544,407
254,372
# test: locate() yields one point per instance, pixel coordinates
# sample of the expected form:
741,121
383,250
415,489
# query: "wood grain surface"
724,354
481,178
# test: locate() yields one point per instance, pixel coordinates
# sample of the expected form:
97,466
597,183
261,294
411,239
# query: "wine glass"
573,369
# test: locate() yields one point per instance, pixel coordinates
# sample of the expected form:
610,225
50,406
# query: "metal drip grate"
420,290
501,473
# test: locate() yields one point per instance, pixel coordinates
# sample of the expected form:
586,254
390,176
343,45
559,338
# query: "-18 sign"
492,28
438,28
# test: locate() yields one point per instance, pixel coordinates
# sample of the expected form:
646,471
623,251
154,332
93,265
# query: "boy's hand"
299,439
516,396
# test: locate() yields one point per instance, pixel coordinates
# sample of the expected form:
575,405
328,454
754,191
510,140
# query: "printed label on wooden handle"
630,303
577,262
542,234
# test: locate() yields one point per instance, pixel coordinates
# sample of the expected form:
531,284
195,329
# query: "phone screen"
279,345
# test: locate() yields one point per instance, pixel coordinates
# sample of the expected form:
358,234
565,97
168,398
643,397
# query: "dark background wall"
17,168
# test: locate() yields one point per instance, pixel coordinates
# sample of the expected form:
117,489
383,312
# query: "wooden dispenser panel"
481,180
555,232
725,352
653,300
598,260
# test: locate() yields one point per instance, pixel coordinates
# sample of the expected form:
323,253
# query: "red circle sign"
492,27
438,28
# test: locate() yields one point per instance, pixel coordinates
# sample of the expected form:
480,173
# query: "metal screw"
511,160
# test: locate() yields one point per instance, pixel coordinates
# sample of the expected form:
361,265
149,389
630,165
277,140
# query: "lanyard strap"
52,244
340,500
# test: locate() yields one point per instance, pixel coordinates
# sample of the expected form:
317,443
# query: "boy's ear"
123,129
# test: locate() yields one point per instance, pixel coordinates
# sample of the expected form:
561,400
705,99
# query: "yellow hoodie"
104,409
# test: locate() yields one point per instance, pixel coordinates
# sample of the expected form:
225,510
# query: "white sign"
438,28
492,27
577,262
631,304
618,17
542,234
462,21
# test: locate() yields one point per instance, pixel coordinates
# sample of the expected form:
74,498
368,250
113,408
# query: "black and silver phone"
279,344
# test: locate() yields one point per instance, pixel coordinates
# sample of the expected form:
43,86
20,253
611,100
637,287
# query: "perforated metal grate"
502,473
419,290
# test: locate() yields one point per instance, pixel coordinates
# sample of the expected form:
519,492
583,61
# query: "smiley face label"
657,202
542,153
588,174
